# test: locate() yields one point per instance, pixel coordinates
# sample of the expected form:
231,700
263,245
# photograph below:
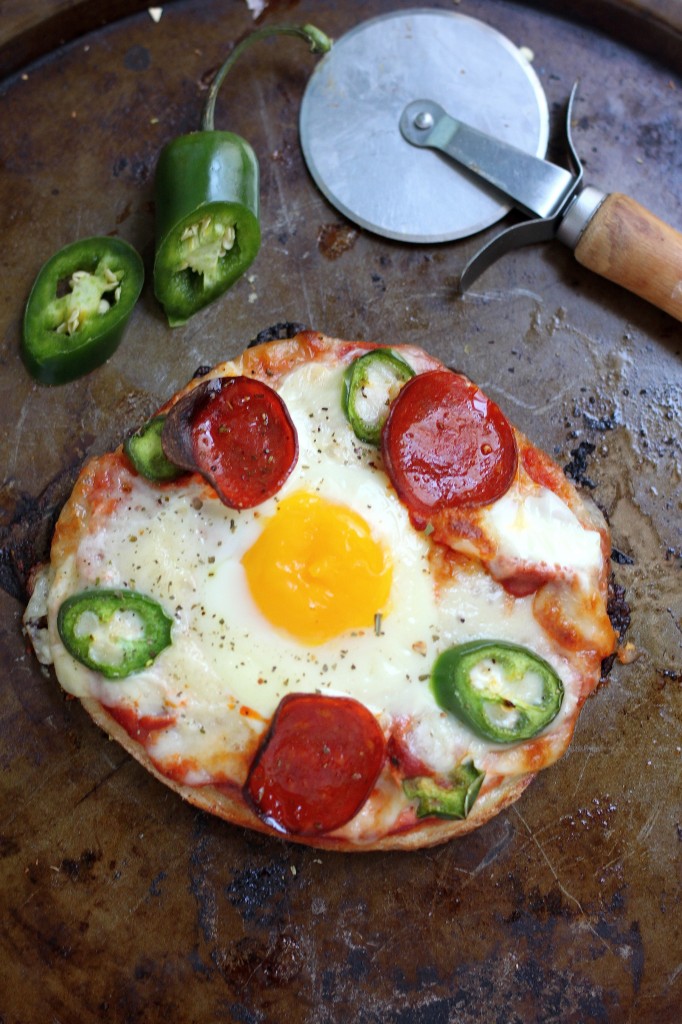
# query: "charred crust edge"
283,331
25,541
618,611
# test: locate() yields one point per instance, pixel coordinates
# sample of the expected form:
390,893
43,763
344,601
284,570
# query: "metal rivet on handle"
423,120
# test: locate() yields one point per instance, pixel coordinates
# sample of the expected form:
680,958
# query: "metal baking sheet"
121,903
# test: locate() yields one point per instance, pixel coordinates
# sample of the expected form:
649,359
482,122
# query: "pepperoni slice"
317,764
236,432
447,445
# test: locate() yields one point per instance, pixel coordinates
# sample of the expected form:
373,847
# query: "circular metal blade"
351,110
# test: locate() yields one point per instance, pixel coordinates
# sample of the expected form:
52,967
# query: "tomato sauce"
139,727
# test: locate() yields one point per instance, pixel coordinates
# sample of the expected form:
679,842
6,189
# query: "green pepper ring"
144,450
355,379
137,654
54,358
453,690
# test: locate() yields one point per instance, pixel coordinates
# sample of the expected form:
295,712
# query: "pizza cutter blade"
352,107
445,167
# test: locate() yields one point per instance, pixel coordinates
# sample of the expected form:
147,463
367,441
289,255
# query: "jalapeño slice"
115,632
452,800
144,450
503,692
78,309
371,382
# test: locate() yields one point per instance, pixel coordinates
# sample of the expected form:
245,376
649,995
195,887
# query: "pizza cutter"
428,126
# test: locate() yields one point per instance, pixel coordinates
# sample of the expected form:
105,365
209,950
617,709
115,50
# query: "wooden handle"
627,244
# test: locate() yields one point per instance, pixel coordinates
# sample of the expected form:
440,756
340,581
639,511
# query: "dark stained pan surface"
119,902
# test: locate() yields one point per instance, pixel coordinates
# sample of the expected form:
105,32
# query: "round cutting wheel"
351,111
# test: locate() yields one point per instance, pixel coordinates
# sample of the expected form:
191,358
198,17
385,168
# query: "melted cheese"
538,528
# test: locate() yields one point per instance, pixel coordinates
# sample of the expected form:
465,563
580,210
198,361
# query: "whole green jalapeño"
79,307
503,692
207,201
207,228
114,632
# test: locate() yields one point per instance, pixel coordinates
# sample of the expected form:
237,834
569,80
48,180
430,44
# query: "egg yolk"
315,571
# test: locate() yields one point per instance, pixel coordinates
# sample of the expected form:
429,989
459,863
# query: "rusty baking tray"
119,902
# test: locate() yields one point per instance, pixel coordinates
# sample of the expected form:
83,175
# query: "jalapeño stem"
318,41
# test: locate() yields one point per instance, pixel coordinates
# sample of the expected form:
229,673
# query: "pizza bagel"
329,592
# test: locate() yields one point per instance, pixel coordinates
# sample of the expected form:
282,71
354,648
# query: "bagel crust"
525,569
